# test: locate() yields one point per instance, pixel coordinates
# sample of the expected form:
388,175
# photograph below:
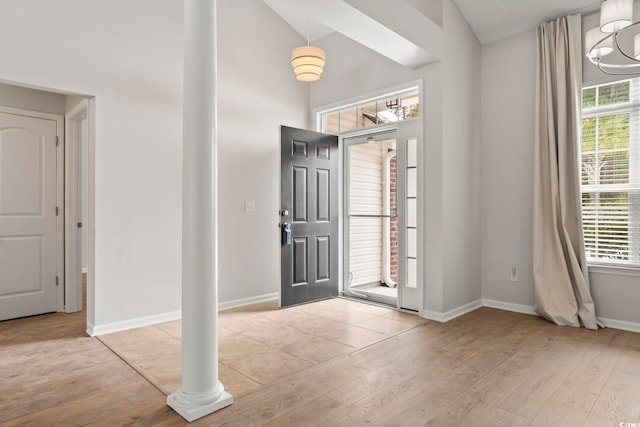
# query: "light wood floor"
486,368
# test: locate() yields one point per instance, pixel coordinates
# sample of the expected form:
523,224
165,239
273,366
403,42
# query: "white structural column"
200,393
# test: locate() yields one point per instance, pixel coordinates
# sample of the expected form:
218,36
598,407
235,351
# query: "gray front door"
309,216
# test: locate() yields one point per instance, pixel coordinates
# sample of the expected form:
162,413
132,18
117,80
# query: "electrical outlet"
514,274
249,207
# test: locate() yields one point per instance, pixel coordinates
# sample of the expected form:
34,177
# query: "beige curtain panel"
561,281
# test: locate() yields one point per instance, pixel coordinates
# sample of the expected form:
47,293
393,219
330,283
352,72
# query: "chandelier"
614,46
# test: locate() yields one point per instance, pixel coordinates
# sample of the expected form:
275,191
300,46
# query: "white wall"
353,70
258,93
508,108
507,114
129,56
132,64
460,161
451,93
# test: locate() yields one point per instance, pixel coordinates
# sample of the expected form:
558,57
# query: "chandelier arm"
615,39
600,66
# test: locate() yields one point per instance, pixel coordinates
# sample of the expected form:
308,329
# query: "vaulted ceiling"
491,20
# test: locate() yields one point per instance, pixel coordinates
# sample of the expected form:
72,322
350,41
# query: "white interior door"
28,223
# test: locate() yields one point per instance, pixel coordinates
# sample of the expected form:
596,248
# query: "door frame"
73,198
316,120
60,176
401,131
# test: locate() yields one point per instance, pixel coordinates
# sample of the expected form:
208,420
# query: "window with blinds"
610,172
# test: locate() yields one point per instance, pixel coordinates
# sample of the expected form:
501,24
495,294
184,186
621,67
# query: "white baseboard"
89,330
432,315
528,309
427,314
453,313
620,324
139,322
226,305
509,306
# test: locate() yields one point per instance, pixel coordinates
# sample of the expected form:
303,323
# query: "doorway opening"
46,141
372,234
381,212
381,217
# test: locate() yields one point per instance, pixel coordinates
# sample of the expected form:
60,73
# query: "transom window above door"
382,110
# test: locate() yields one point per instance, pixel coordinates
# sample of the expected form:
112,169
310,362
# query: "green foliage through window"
610,172
615,93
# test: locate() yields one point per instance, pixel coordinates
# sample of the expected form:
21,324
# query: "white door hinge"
57,281
57,141
56,211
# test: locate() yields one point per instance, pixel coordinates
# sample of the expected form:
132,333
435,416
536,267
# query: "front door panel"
309,193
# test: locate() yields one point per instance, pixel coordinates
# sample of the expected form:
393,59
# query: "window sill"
617,270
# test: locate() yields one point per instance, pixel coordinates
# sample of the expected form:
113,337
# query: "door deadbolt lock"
284,212
286,234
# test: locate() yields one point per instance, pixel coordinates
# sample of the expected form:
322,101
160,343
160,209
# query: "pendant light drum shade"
615,15
307,62
598,44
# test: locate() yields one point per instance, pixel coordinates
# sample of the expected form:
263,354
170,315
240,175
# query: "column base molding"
194,406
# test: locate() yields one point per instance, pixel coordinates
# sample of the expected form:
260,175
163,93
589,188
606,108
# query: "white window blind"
610,172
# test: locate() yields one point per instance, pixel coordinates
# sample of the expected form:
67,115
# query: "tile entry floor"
261,344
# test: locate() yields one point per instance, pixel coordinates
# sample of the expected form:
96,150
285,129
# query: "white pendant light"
307,62
596,44
615,15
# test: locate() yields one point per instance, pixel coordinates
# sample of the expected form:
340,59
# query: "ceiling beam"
406,21
413,45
